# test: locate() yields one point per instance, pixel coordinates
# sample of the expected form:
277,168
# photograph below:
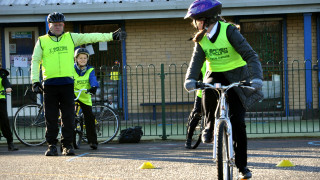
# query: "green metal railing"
153,97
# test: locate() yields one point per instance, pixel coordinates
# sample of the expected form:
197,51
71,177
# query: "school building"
285,34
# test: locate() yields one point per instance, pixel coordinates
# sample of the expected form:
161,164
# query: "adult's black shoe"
52,151
94,146
11,147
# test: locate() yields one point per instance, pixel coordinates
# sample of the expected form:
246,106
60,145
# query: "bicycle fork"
230,140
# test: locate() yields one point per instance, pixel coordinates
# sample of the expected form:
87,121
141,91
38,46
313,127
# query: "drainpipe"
308,60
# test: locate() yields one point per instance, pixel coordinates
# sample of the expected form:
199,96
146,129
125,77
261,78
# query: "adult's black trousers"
59,98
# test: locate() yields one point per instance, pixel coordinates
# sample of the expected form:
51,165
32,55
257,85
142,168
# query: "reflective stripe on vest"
57,57
221,56
82,82
2,96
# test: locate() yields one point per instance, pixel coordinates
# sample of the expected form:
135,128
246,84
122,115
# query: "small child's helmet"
81,51
204,9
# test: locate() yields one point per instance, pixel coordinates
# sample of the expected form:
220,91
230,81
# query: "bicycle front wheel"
107,123
78,132
224,166
29,125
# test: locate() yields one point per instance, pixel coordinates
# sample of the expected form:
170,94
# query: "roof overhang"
151,10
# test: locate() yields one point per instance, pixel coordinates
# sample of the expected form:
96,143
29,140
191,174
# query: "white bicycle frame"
223,109
223,116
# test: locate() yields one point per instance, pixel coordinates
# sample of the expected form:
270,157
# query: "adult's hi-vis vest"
57,57
220,55
2,96
82,82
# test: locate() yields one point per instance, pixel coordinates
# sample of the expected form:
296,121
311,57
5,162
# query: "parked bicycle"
29,123
223,152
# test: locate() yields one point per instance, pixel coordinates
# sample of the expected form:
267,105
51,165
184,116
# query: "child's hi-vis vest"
220,55
82,82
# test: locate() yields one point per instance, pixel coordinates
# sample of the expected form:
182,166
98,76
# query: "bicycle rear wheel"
196,138
224,166
29,125
107,123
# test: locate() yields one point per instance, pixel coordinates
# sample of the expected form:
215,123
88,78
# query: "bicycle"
106,121
223,152
29,123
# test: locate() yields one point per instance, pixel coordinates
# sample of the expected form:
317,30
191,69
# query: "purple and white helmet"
204,9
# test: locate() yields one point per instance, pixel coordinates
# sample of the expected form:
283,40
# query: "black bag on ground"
131,135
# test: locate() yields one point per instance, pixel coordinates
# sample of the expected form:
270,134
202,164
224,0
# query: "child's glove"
119,35
256,83
190,84
37,87
93,90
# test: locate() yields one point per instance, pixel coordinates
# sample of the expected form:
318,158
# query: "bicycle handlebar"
201,86
80,91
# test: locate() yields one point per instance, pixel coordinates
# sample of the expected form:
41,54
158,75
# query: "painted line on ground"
77,157
315,143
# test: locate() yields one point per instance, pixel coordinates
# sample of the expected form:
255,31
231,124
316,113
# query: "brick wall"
158,41
296,73
151,43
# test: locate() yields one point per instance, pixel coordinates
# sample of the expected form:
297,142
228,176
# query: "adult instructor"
55,51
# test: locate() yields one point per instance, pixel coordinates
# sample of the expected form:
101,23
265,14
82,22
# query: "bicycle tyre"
108,123
29,125
78,132
197,133
224,167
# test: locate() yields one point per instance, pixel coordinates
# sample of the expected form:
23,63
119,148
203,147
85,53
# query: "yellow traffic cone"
285,163
146,165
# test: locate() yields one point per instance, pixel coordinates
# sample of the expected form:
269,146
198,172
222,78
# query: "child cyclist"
229,59
84,78
5,87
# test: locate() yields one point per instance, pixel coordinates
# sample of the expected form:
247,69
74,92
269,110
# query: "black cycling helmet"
204,9
55,17
81,51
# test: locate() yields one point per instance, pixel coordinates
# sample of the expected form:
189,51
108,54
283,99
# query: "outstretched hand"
119,35
37,87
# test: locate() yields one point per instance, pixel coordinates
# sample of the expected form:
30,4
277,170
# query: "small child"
84,78
5,87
